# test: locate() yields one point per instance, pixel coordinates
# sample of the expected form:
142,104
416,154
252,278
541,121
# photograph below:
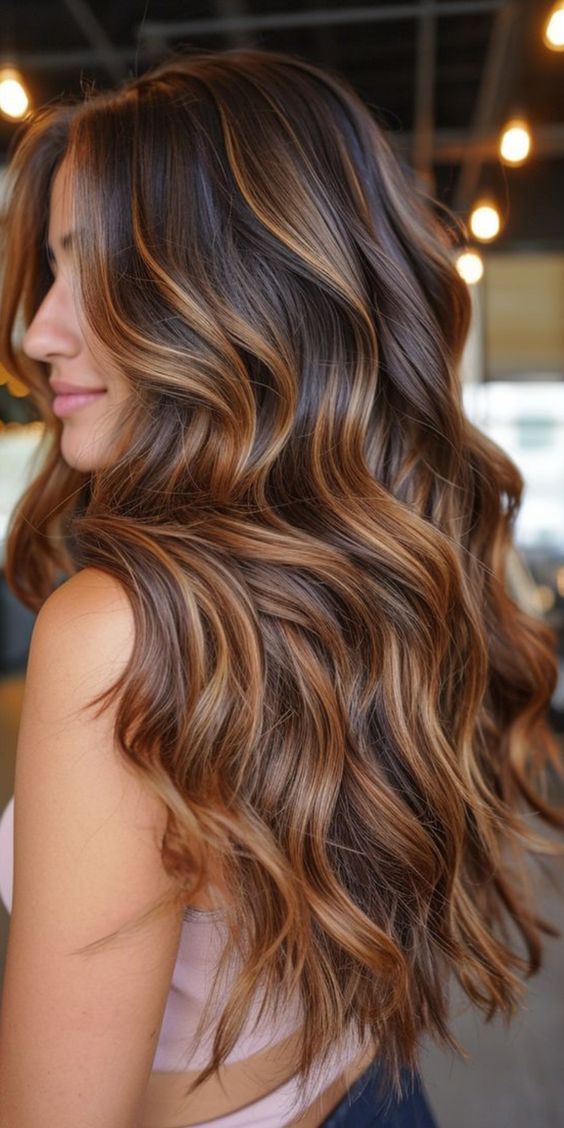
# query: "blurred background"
472,94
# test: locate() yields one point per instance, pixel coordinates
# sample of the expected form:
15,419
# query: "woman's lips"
63,405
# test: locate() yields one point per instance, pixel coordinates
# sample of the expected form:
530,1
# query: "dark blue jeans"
363,1106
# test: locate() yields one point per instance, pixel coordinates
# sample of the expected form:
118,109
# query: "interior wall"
523,297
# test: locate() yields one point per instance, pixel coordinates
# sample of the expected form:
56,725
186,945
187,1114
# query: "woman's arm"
78,1032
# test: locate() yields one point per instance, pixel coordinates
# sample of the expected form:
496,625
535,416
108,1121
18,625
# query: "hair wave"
348,707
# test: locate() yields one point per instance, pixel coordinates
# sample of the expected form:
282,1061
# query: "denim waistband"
364,1106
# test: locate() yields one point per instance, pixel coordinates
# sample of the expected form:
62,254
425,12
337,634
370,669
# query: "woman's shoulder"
69,765
90,587
87,619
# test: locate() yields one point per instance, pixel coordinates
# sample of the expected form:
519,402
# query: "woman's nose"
52,332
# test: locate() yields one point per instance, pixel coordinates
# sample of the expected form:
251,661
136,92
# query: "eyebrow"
66,241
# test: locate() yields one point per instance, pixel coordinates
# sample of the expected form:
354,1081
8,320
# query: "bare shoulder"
87,860
83,633
82,642
91,597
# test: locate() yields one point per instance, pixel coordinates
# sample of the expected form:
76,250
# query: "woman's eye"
51,261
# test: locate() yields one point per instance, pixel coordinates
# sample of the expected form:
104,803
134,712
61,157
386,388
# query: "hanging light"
553,33
14,101
470,266
515,141
485,220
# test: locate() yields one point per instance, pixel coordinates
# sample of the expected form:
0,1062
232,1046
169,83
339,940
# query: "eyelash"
52,267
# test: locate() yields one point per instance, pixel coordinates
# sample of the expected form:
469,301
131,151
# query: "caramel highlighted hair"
348,708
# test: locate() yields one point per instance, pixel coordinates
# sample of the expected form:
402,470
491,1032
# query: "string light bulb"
14,101
553,33
515,141
470,266
485,220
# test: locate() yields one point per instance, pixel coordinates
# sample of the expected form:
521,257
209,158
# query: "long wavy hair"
348,708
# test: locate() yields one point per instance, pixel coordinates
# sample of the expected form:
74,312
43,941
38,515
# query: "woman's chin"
81,455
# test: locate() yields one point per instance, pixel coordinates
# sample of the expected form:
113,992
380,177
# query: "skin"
56,337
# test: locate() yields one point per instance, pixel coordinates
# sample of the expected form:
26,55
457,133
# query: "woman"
244,880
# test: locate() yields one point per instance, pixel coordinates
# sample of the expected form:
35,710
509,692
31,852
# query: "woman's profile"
284,726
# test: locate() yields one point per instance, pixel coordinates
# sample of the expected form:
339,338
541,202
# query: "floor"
511,1079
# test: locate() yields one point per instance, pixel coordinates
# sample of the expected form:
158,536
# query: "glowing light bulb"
553,34
515,142
16,388
485,221
14,101
470,266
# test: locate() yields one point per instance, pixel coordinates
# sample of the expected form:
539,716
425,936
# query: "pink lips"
66,404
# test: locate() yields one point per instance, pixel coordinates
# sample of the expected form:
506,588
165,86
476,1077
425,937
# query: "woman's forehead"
60,204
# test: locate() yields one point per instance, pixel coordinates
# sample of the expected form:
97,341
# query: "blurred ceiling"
443,75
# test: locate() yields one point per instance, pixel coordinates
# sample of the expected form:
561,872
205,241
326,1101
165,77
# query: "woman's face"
55,337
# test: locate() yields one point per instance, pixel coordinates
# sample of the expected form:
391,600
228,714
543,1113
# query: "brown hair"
349,706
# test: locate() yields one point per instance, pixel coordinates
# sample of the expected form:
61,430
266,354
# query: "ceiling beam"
424,95
370,13
97,37
452,146
153,36
234,10
497,74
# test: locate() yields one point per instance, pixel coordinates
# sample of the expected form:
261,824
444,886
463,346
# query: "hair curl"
349,708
